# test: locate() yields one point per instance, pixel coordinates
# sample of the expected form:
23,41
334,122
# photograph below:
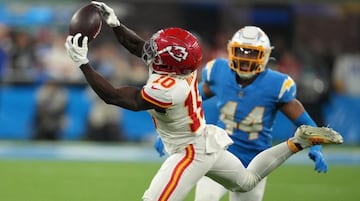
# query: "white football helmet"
249,51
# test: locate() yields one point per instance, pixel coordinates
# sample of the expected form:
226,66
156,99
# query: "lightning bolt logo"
287,84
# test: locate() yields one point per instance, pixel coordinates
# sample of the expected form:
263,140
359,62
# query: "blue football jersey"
247,113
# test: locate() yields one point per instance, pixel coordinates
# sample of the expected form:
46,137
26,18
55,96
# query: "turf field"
59,180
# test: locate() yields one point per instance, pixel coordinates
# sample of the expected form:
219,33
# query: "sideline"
142,152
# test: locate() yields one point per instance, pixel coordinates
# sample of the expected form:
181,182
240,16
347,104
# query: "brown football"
87,21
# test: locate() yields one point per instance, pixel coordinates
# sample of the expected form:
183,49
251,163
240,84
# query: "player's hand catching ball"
78,53
107,14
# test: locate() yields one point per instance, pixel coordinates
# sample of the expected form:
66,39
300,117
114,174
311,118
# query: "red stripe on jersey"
154,101
177,173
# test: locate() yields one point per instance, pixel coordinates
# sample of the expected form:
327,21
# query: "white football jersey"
183,120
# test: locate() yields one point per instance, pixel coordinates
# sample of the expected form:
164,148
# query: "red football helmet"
172,51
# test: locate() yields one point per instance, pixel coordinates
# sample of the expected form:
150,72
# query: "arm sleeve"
156,96
304,119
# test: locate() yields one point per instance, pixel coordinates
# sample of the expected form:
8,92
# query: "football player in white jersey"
172,98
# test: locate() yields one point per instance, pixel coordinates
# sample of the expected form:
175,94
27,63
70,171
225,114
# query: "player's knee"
244,187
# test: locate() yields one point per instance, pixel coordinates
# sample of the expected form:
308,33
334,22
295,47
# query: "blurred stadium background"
58,141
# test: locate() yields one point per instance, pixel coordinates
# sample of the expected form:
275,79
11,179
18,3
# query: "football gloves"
107,14
316,155
76,52
159,146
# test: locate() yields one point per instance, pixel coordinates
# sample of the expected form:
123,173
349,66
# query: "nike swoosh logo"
152,87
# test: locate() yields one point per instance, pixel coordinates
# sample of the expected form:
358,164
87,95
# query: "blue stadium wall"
17,108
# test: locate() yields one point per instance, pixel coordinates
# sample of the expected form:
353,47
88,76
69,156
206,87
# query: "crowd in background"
307,48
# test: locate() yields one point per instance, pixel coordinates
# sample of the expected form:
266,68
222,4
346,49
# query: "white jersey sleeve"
157,93
183,119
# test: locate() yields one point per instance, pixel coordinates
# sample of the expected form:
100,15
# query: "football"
87,21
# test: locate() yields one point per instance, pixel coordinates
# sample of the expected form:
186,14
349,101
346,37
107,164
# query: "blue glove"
159,146
315,154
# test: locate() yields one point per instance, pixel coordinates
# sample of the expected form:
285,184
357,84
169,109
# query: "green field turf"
28,180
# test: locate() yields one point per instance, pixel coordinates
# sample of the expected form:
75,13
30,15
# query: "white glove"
77,53
107,14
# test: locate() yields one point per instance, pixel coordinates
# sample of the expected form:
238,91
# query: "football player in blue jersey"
248,97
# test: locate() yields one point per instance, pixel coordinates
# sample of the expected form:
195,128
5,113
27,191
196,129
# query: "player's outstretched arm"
125,97
127,37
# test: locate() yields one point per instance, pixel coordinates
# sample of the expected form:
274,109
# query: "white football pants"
207,189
